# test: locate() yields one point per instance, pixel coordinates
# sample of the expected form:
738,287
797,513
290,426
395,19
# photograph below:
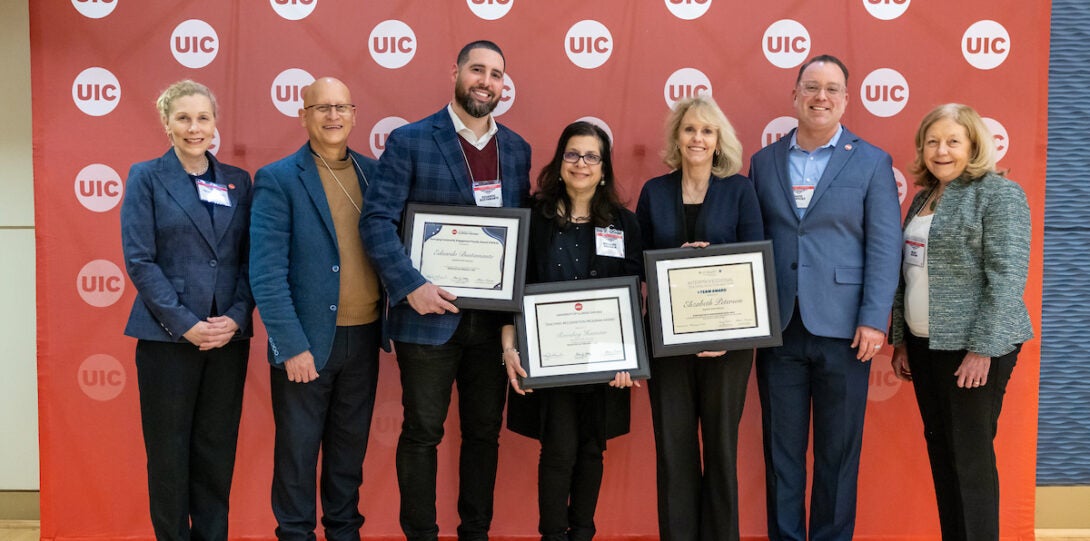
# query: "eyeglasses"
325,108
811,89
589,159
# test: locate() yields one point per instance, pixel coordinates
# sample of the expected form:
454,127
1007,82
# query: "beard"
475,108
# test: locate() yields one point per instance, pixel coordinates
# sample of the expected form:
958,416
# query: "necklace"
934,197
197,172
338,181
693,194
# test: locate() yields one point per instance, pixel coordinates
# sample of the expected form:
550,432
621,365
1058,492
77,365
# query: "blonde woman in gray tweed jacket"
958,315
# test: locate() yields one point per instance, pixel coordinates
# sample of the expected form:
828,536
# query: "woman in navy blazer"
576,200
703,201
184,232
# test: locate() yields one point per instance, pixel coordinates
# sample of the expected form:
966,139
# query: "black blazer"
524,412
542,230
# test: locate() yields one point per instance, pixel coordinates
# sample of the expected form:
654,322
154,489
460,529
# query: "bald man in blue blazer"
830,207
321,303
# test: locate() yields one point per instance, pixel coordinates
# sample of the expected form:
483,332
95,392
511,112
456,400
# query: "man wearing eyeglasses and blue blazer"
321,303
830,207
457,156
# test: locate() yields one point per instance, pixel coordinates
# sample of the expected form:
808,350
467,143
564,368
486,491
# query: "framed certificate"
722,297
476,253
581,331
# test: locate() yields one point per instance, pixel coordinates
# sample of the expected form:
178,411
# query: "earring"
560,178
602,182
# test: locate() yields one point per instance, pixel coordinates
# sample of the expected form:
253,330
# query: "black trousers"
697,403
960,426
331,414
471,359
190,404
569,472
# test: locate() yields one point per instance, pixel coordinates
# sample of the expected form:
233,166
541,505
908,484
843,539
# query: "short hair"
551,194
982,154
463,55
823,58
185,87
728,156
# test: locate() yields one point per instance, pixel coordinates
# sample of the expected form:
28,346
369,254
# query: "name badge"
803,194
210,192
609,242
915,252
487,193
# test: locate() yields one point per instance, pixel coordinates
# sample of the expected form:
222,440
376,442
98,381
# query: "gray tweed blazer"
977,262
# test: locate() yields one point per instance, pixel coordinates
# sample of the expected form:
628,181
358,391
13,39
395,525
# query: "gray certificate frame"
516,224
628,316
758,255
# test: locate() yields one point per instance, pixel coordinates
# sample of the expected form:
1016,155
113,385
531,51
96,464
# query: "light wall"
18,385
1058,507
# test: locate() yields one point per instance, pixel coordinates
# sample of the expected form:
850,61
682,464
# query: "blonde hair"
981,156
185,87
728,149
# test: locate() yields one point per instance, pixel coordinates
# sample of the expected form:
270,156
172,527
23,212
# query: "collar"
316,155
467,134
831,143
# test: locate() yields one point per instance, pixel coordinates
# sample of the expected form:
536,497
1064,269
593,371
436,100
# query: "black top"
569,255
552,257
692,211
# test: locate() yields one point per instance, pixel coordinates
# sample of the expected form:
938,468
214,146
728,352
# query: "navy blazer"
294,259
730,212
177,260
842,258
423,162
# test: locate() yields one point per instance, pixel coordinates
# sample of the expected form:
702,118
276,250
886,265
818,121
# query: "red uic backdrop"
98,65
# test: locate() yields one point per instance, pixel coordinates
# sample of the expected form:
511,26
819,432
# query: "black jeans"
472,360
333,414
190,404
959,426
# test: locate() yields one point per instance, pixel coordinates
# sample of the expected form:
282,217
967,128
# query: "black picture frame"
489,233
554,332
690,311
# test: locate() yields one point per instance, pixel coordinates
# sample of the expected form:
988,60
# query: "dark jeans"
190,404
472,360
819,374
569,472
696,403
333,414
959,426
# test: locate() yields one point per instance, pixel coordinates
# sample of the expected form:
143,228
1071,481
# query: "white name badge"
609,242
487,193
210,192
803,194
915,252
